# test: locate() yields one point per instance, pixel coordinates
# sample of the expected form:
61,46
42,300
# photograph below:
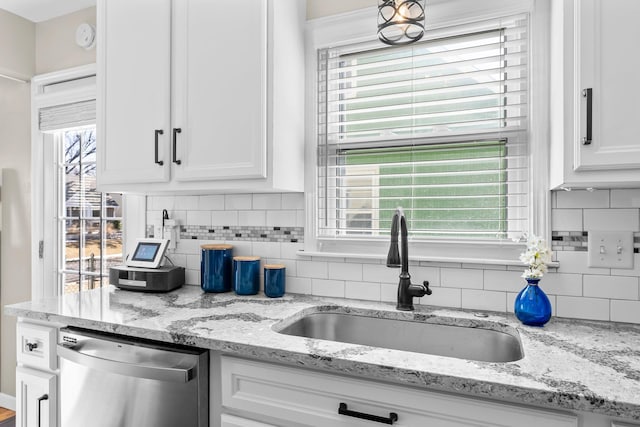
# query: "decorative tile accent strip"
569,241
578,241
244,233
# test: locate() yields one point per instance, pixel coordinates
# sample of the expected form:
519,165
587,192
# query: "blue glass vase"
532,307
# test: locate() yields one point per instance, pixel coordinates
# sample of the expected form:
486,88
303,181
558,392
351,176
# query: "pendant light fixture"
400,21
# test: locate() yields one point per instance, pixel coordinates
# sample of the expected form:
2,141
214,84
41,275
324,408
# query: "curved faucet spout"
393,258
406,290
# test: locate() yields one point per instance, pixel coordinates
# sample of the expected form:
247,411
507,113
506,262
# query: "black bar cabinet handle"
40,399
176,131
158,133
588,93
342,410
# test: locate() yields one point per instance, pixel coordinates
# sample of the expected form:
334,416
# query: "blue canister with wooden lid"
274,280
216,268
246,275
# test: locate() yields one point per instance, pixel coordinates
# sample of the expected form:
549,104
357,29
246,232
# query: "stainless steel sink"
462,342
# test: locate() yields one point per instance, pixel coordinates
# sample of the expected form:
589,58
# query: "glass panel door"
89,222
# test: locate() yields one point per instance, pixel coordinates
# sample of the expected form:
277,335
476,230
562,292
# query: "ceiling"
42,10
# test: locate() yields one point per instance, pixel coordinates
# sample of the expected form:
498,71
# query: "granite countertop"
568,364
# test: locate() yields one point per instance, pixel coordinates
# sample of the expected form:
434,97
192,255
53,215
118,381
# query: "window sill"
445,260
504,254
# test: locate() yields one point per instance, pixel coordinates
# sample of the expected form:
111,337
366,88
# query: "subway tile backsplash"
272,226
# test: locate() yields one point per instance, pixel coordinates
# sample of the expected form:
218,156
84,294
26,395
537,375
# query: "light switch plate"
610,249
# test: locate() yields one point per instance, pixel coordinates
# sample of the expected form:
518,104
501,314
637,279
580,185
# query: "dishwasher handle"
170,374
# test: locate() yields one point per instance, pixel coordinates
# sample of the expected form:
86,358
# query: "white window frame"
360,26
44,263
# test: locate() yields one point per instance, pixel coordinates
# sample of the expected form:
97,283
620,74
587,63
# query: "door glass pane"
91,252
70,282
89,150
72,245
91,221
71,147
112,206
113,244
72,192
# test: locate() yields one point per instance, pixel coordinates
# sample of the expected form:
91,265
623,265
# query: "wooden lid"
246,258
274,266
216,247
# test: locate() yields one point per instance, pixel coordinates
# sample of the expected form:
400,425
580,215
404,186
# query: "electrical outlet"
610,249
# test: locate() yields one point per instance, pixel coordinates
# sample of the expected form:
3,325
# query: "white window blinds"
80,112
438,127
60,117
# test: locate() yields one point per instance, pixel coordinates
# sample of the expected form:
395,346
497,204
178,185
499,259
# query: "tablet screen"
145,251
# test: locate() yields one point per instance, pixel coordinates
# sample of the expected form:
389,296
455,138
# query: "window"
89,223
439,127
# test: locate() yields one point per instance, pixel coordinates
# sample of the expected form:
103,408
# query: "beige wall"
17,46
17,59
56,47
25,49
15,198
320,8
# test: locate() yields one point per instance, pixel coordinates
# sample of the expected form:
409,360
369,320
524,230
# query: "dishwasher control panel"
69,339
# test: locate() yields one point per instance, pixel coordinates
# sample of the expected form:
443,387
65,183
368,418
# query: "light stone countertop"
568,364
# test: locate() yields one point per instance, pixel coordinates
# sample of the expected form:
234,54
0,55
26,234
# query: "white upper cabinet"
201,95
219,94
593,94
134,75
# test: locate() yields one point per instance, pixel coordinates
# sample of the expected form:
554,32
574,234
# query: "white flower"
536,257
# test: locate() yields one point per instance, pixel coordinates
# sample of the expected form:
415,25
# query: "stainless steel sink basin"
462,342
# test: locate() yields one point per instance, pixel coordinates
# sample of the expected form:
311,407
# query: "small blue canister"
215,268
274,280
246,275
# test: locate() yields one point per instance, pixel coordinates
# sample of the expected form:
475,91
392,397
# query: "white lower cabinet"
288,396
36,374
36,398
34,346
227,420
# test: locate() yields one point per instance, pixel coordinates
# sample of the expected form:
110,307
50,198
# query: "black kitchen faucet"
406,289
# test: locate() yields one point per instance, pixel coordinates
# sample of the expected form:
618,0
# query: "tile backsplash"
272,227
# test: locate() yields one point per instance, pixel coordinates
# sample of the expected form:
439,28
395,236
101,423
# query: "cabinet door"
607,34
233,421
134,63
36,398
301,397
220,89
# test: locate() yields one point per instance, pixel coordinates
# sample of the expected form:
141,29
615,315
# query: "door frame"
43,228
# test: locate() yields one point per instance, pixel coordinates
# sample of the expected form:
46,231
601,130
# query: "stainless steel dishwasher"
113,381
